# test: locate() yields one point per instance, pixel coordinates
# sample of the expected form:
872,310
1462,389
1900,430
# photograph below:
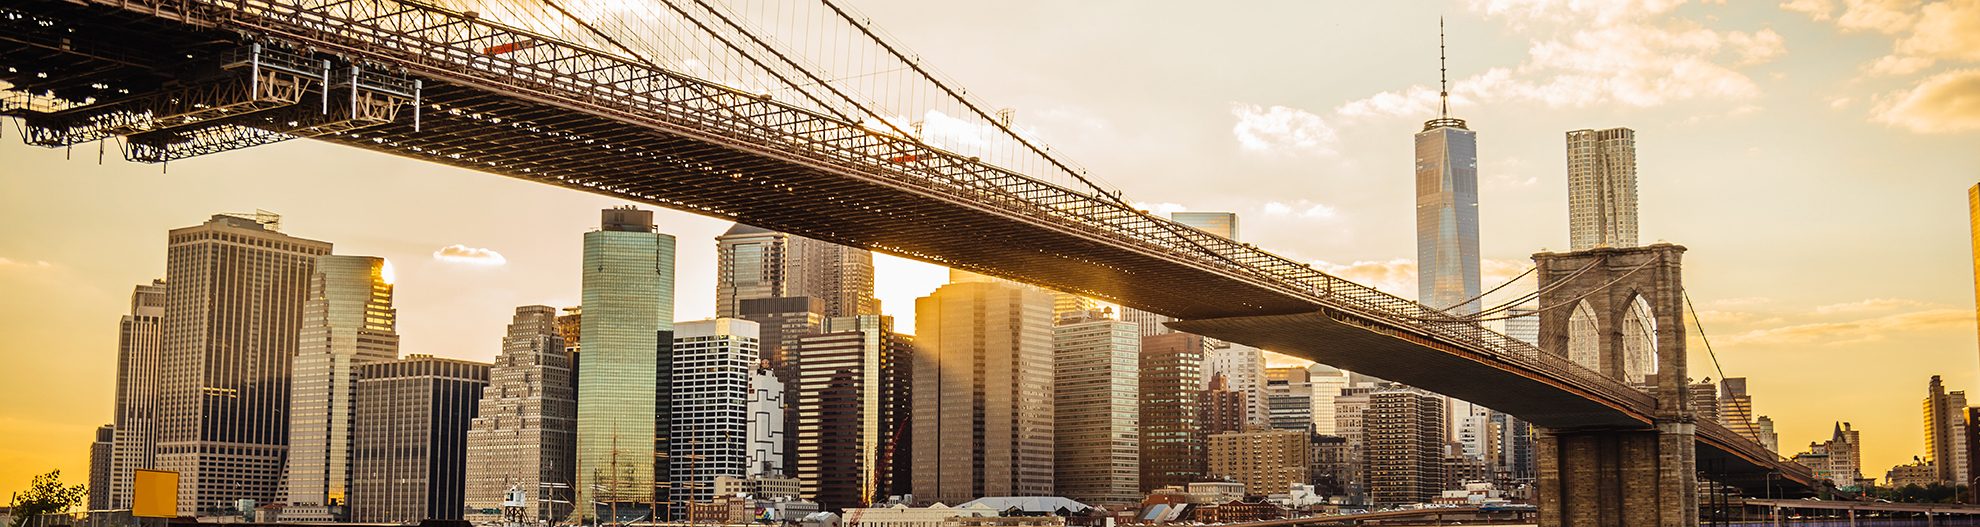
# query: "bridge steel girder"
603,123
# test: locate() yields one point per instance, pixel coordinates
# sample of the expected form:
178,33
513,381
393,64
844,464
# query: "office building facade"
1403,430
1171,445
1265,461
409,448
524,435
140,341
627,325
853,412
760,263
1097,450
709,436
983,392
234,293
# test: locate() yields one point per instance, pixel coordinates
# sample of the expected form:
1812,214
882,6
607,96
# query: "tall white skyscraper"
709,436
348,320
1601,188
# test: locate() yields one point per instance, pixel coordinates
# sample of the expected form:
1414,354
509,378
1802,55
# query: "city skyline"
1751,346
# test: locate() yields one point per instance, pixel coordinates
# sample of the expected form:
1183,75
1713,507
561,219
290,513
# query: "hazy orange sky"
1813,155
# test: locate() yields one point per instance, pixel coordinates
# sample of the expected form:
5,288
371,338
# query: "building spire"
1443,75
1444,119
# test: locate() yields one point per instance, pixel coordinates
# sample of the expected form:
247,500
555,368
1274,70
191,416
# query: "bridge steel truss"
507,101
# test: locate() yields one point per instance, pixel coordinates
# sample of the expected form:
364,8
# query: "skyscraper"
234,293
140,339
1601,188
1171,448
1223,224
780,323
524,436
983,391
348,320
1405,446
760,263
1945,425
1736,408
1973,217
1150,323
1097,451
709,434
1447,209
409,448
627,326
853,406
99,467
768,405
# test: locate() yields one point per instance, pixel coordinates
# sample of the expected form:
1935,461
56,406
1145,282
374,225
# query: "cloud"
1943,103
458,253
1397,276
1281,129
1869,305
1584,54
1859,331
1922,33
1301,209
9,263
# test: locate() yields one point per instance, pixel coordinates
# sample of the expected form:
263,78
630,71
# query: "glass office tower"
622,398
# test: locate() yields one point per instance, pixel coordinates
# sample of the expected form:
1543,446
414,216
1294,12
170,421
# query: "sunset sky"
1813,155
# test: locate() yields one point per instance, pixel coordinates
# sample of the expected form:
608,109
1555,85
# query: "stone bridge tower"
1620,313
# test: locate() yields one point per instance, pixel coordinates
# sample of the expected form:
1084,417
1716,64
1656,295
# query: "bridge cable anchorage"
1528,271
1700,324
1577,298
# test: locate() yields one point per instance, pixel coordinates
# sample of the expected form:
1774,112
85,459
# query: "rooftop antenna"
1443,75
1444,119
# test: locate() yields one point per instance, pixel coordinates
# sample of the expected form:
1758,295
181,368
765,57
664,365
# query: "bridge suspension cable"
1700,324
1522,274
1577,298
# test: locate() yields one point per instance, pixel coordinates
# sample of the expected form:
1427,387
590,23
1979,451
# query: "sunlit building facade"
627,326
348,320
983,392
234,293
1601,188
1265,461
1403,430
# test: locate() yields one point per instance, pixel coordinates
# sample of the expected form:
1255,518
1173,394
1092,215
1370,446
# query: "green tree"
45,495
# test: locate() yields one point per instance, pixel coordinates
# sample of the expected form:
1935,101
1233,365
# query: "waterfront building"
348,320
409,438
853,412
983,391
140,341
1096,402
1403,430
524,435
623,365
709,435
1171,445
1265,461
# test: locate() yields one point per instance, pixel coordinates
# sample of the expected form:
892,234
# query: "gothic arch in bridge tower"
1639,341
1584,337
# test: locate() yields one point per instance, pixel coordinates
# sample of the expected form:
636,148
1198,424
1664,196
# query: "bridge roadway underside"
1479,379
683,162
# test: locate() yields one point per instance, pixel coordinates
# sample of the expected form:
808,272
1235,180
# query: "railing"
455,46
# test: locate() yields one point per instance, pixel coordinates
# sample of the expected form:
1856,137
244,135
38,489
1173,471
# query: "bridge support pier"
1632,478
